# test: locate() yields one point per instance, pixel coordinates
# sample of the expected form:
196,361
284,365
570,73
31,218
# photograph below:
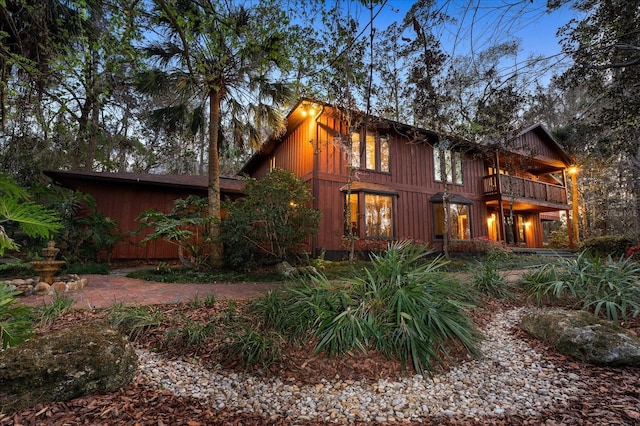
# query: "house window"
384,154
459,220
352,215
376,152
447,166
370,152
355,150
378,215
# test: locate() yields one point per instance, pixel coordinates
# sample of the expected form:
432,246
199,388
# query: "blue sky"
480,23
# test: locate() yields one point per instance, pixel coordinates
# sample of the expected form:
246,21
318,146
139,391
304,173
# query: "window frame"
362,160
453,163
361,228
439,237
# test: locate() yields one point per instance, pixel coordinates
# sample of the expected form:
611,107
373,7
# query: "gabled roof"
294,118
187,182
546,137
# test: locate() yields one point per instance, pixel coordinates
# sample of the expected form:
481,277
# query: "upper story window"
384,154
376,152
447,165
355,150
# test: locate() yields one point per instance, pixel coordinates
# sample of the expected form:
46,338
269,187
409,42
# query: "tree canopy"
196,86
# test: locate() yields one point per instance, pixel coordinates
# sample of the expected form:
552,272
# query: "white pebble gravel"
511,378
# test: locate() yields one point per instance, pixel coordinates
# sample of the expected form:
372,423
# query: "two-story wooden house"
395,181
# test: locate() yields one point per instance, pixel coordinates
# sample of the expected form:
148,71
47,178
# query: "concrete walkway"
105,290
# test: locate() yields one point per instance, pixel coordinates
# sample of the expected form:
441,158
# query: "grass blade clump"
605,286
402,305
48,312
132,321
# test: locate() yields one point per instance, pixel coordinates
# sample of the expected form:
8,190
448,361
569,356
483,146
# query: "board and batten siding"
411,175
125,207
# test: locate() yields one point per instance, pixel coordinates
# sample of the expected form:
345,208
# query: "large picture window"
459,220
369,214
378,215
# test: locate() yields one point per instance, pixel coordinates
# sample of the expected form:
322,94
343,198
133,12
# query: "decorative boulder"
65,364
583,336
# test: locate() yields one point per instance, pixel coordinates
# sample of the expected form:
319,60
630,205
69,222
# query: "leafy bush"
402,305
16,269
88,234
185,226
479,246
134,320
604,286
559,238
88,268
15,320
271,221
608,245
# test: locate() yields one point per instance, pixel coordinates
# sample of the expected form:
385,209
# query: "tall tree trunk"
92,145
215,99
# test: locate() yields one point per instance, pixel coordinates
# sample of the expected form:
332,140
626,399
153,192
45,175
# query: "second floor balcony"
527,191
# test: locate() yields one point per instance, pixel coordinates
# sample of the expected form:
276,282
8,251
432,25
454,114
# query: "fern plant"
15,319
17,209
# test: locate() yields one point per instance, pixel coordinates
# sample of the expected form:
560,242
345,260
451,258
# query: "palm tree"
222,55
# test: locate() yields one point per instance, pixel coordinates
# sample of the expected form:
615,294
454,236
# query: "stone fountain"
47,268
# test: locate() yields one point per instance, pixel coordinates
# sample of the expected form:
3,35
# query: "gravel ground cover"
518,381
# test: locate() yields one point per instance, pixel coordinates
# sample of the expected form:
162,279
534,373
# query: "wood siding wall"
411,176
123,204
531,144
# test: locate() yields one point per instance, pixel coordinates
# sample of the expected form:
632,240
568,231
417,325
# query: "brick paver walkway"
106,290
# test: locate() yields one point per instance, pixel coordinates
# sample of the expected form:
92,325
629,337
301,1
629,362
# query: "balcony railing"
516,187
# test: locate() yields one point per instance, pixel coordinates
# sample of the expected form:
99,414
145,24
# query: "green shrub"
15,319
88,268
605,286
272,221
608,245
88,235
559,238
132,321
16,269
402,305
185,226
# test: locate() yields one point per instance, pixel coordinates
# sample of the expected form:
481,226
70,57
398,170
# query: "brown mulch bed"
612,395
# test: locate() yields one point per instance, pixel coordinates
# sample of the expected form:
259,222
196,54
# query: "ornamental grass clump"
606,286
133,321
402,306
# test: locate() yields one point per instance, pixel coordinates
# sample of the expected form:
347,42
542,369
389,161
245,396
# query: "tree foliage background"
125,85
